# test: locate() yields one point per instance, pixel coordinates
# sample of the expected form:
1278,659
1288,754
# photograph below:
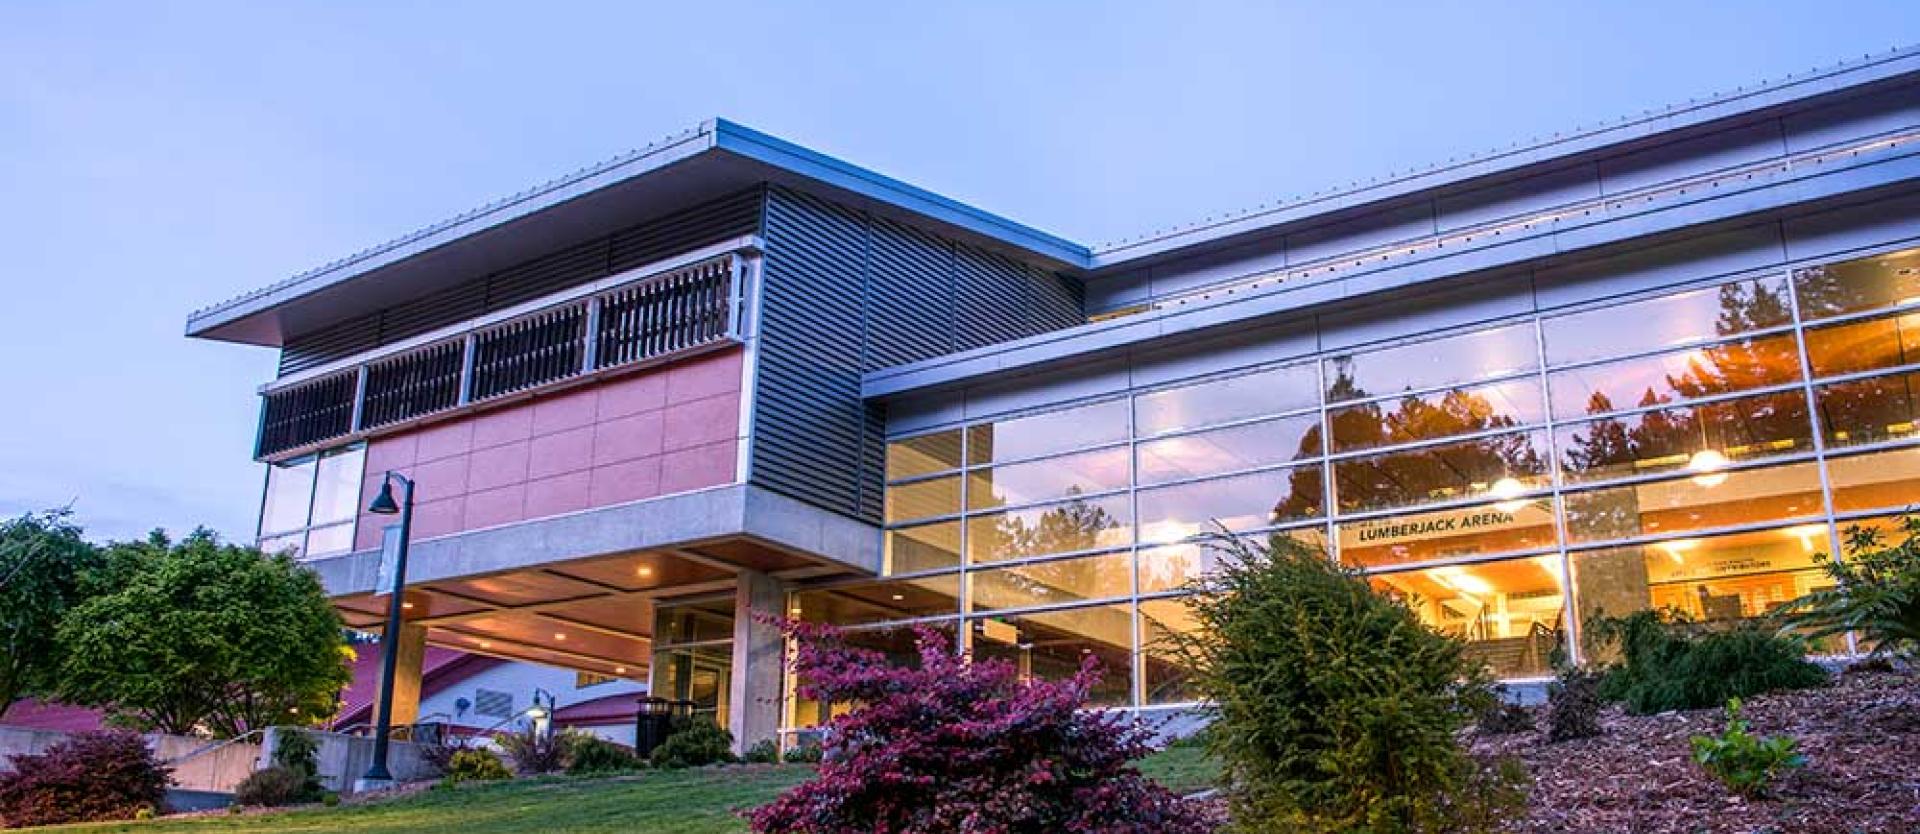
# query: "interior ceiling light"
1508,490
1709,467
645,570
559,635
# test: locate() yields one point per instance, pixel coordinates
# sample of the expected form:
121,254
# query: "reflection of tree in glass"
1616,444
1424,474
1075,525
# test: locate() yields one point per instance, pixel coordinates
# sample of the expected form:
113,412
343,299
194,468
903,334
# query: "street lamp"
383,504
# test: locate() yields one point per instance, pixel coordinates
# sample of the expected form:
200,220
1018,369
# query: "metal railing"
646,319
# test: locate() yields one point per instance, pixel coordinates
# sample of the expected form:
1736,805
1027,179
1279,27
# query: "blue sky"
156,157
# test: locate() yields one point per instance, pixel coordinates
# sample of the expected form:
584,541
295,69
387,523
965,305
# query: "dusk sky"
159,157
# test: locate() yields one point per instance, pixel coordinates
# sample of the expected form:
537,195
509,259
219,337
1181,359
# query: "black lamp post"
383,504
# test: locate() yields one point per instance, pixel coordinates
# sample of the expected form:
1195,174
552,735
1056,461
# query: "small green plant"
330,799
808,751
1742,761
271,787
143,813
476,765
765,751
236,809
694,742
1670,662
593,754
1573,704
1876,591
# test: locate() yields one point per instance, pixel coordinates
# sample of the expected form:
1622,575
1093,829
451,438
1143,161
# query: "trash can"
653,723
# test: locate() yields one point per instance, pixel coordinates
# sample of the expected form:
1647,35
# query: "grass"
682,802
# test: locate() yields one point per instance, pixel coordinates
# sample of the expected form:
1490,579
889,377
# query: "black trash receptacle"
655,721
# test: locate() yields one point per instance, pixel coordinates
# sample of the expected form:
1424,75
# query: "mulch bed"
1861,735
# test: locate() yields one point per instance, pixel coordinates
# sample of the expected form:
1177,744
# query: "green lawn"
682,802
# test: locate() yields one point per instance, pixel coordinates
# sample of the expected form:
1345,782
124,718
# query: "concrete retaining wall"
198,764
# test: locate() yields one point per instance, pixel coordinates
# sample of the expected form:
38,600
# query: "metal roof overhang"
716,159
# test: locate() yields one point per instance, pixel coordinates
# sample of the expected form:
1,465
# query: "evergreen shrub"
1335,708
1669,662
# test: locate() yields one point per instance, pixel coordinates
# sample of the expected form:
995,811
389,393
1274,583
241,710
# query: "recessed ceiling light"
485,645
899,597
407,605
619,670
559,635
645,570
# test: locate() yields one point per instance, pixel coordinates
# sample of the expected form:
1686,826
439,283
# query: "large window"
1687,449
311,503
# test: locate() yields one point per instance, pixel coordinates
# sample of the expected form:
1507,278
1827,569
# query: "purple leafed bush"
90,777
956,746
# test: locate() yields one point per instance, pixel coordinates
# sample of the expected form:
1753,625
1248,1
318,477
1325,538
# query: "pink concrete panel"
396,452
444,478
502,426
436,518
444,440
366,534
698,467
497,467
568,410
487,508
626,438
706,376
633,393
623,482
559,494
701,422
567,451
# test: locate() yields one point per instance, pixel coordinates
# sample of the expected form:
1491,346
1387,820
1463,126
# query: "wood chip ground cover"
1861,735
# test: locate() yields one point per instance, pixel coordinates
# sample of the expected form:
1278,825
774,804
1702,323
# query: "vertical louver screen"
294,417
687,308
653,317
532,351
413,384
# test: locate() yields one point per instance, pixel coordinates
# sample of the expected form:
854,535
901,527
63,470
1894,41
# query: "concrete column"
407,670
759,660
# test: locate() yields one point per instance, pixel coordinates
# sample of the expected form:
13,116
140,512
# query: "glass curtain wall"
1690,449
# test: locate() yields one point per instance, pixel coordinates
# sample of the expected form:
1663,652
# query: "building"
467,693
1657,362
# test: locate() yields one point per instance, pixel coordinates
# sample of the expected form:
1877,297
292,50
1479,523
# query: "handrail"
219,745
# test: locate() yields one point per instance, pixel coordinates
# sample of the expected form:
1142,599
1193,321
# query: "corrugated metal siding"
843,293
698,226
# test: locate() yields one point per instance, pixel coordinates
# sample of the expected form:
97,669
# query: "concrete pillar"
407,670
759,660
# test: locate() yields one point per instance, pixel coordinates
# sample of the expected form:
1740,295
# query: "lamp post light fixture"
383,504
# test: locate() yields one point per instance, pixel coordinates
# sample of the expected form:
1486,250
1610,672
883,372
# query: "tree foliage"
89,777
1335,709
42,561
953,745
201,636
1876,591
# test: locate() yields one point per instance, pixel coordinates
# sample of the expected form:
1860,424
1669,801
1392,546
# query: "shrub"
272,787
1573,704
956,746
1742,761
330,799
806,752
1876,591
1672,663
694,742
1504,717
90,777
439,755
766,751
1335,708
476,765
593,754
534,752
